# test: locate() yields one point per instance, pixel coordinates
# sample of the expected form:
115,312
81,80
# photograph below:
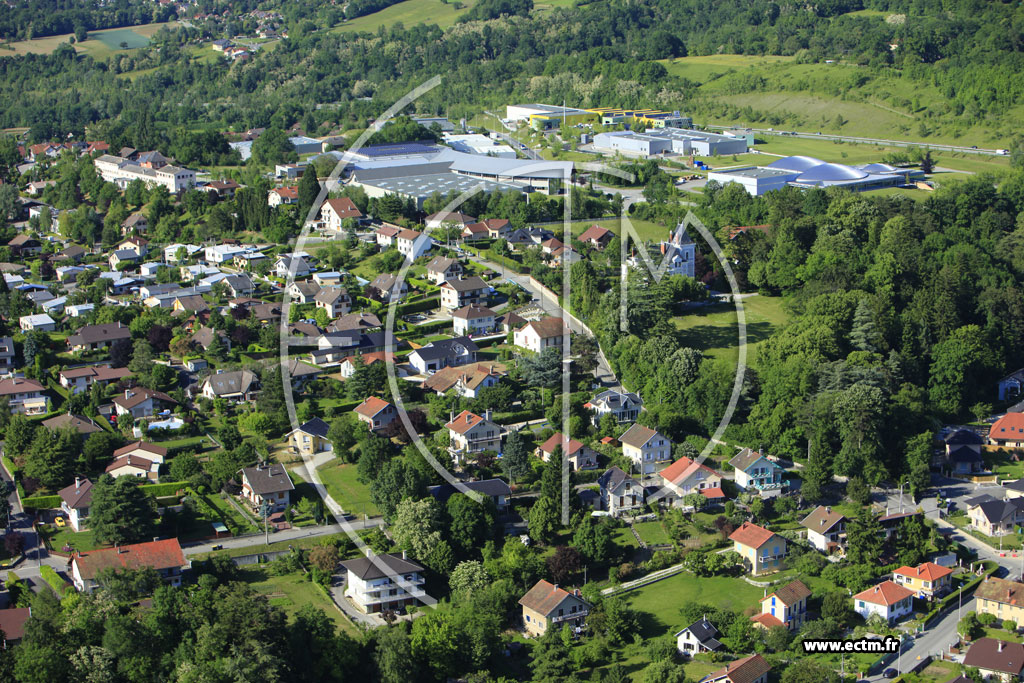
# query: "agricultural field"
712,329
100,44
409,13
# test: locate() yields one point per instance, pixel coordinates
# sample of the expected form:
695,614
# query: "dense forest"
603,57
905,314
37,18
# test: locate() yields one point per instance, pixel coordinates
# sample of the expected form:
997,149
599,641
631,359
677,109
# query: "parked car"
890,673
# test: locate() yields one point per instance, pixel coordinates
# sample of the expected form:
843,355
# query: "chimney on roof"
487,414
469,418
828,510
1000,645
78,482
404,556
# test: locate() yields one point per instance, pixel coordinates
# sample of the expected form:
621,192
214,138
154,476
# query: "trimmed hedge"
161,490
41,502
417,306
59,585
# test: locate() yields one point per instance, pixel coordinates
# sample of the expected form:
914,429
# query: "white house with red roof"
283,195
412,244
376,413
541,334
685,476
888,600
336,210
386,235
579,456
134,466
1008,431
762,550
75,501
471,433
164,556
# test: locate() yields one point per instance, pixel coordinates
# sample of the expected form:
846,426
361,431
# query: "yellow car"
59,521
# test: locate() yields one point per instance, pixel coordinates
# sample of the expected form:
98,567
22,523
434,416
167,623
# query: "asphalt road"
869,141
603,373
281,536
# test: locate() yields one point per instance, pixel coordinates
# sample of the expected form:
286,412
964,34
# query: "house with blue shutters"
755,472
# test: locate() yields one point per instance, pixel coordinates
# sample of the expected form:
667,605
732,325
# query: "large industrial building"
474,143
671,141
546,117
417,171
808,172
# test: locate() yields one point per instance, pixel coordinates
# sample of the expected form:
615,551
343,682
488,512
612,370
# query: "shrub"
986,620
1009,625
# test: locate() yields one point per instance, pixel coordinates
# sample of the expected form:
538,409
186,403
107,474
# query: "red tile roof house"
376,413
548,605
996,659
133,466
888,600
470,433
335,211
927,580
269,483
164,556
762,550
1008,431
141,449
580,457
597,237
685,476
752,669
787,607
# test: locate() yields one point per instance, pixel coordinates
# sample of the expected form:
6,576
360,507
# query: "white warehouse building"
671,141
808,172
474,143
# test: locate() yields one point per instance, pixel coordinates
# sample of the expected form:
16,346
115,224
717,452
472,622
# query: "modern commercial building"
546,116
474,143
671,141
808,172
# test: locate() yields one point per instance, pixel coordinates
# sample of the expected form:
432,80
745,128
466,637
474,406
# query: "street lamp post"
899,657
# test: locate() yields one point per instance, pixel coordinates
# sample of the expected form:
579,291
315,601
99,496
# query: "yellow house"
762,550
927,580
310,438
1001,598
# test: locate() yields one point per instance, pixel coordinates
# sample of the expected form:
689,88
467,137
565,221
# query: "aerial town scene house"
638,350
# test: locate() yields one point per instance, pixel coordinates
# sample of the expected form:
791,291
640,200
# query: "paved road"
603,373
870,141
281,536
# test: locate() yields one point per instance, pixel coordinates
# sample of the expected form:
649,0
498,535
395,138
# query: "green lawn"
652,532
78,540
939,672
704,67
409,13
292,591
659,602
350,493
646,230
100,44
712,329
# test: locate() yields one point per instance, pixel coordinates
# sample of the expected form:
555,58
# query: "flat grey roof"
426,184
757,172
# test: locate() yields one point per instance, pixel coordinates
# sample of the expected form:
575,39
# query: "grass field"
652,532
647,230
292,591
409,13
100,44
350,493
659,602
834,98
712,329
